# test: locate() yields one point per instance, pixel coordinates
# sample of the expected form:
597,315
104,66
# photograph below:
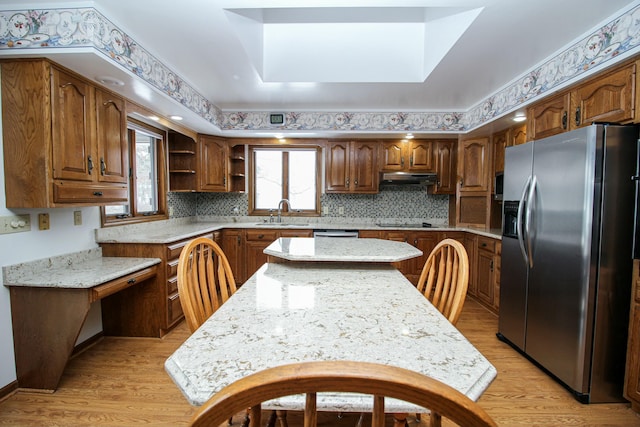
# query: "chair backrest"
340,376
205,280
445,278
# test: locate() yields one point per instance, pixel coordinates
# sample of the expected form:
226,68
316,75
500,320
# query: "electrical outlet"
340,210
43,221
325,210
77,217
15,224
170,211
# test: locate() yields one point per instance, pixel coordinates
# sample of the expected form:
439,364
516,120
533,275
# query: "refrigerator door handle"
520,223
527,223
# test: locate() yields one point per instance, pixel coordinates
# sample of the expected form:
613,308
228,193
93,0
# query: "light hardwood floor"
121,382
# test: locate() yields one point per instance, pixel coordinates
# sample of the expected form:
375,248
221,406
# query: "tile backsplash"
393,201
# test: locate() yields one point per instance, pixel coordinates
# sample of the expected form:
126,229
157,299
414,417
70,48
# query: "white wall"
61,238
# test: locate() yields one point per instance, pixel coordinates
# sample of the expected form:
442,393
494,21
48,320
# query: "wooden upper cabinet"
214,164
73,154
111,120
518,135
501,140
445,167
351,167
474,165
609,98
549,117
54,149
413,155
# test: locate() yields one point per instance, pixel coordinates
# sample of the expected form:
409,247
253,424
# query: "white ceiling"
337,55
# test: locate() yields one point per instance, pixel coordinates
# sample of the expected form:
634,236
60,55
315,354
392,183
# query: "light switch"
77,217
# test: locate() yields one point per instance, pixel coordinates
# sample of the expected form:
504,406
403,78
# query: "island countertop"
297,312
341,249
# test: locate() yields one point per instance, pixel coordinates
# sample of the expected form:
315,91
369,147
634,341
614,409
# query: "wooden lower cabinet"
162,306
632,376
244,248
423,240
487,281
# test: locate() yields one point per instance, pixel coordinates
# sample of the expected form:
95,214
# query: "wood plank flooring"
121,382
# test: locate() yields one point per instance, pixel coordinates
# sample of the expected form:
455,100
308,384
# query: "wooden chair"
341,376
445,278
205,280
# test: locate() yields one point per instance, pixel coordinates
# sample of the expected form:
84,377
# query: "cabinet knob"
578,117
564,120
355,182
131,281
97,193
347,182
90,164
103,166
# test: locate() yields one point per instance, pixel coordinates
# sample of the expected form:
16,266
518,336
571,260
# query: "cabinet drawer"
262,235
174,249
172,267
174,308
78,192
121,283
487,243
172,285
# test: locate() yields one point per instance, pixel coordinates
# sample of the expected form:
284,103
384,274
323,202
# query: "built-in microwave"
498,185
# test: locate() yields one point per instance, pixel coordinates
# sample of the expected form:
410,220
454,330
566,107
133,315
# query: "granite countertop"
341,249
172,230
79,270
296,312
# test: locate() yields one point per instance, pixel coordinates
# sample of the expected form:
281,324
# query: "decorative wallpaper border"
86,27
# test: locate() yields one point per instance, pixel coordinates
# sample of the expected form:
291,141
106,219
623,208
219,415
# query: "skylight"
353,45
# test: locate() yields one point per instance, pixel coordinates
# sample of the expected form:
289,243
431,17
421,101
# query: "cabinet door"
232,244
73,157
484,279
255,243
610,98
500,143
549,117
214,164
364,167
405,267
111,125
445,168
425,241
474,168
518,135
470,244
420,156
337,178
392,156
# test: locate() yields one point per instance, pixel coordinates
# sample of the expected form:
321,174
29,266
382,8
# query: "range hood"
408,178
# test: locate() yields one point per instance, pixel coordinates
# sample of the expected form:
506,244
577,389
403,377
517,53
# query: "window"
291,173
147,198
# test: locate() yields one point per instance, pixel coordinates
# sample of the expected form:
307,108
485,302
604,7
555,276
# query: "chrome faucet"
280,203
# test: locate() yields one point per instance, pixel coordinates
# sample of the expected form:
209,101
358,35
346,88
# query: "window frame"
285,179
161,178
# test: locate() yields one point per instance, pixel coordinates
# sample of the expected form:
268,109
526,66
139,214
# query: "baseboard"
8,390
87,343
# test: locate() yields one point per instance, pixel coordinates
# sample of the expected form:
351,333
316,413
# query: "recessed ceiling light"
409,136
519,117
111,81
154,118
178,118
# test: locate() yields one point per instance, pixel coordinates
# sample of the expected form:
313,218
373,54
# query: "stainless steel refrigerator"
568,222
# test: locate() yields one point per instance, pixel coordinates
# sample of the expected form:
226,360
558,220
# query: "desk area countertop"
296,312
340,249
80,270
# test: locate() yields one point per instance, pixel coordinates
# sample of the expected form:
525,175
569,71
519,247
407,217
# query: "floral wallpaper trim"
86,27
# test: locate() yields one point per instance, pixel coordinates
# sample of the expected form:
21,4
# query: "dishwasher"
352,234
